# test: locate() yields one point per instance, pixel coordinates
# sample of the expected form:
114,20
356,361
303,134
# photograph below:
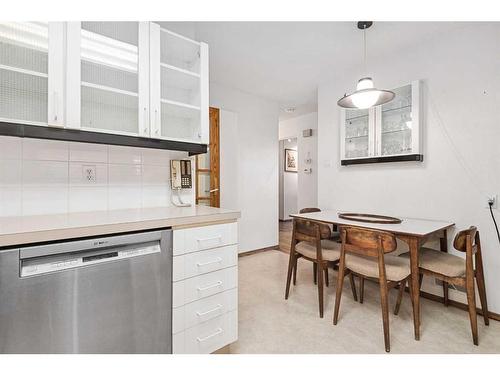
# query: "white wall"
289,182
461,96
46,177
257,137
307,147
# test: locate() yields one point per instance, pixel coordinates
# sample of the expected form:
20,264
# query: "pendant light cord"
364,49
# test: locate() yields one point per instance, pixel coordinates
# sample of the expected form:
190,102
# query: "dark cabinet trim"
75,135
383,159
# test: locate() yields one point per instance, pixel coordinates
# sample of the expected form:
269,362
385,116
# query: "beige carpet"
269,324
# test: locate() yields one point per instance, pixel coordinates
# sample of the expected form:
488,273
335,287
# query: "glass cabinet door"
398,121
179,87
113,73
357,133
26,94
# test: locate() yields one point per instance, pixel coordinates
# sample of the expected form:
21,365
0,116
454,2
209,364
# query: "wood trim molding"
256,251
459,305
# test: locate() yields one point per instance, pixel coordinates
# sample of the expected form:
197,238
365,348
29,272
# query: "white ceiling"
285,61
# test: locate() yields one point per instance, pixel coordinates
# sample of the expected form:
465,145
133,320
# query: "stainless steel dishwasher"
110,294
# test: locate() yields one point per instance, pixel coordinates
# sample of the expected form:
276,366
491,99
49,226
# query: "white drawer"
204,309
195,288
189,240
200,262
207,337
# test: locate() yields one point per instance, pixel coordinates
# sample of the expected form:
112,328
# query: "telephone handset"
180,174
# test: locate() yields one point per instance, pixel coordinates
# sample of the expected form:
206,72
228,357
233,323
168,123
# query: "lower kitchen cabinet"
205,288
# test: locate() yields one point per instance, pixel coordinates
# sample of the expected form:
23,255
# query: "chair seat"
330,250
440,262
396,269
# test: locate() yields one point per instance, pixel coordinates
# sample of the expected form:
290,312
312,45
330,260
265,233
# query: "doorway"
207,166
288,189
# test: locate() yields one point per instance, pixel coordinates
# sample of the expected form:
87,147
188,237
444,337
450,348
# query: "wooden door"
208,167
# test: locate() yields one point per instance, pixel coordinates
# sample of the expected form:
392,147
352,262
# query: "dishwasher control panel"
52,263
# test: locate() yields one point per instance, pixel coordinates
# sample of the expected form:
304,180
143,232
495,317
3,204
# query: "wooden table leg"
443,245
415,295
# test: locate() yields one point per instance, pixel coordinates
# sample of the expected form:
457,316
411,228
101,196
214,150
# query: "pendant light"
366,95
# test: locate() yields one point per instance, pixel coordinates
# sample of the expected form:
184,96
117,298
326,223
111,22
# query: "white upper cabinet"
31,78
128,78
107,77
392,129
179,87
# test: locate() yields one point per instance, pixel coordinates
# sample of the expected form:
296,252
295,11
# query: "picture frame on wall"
291,161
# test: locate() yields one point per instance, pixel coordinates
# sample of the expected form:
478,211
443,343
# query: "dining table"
413,231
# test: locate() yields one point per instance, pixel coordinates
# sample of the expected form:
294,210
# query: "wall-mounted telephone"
180,174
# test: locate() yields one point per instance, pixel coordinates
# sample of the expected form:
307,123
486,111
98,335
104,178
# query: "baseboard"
252,252
459,305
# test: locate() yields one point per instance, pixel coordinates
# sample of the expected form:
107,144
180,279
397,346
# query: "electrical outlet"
89,173
492,198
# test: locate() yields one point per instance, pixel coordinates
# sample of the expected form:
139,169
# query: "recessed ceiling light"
289,140
289,109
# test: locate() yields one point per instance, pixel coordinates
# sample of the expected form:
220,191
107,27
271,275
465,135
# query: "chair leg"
385,314
445,293
315,273
482,290
353,286
327,282
295,271
338,292
471,303
320,289
291,262
402,286
361,288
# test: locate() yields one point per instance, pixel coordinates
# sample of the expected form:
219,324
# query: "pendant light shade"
366,95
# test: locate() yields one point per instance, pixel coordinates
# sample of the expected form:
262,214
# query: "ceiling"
285,61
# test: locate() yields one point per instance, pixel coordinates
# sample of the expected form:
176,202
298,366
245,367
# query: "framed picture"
291,160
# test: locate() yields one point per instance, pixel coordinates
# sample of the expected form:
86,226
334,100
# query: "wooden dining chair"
455,270
326,234
363,254
310,242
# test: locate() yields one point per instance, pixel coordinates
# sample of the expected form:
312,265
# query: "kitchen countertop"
20,230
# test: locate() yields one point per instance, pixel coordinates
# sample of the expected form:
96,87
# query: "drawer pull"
218,283
218,238
217,260
219,306
218,332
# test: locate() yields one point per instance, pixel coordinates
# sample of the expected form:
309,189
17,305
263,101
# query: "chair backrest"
460,241
307,226
367,242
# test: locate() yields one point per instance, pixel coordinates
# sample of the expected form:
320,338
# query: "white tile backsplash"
124,174
124,155
121,197
88,152
88,198
45,172
43,149
43,199
46,177
10,148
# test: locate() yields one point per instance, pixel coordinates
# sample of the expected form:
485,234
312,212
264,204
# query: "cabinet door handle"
145,131
218,307
217,260
219,238
54,97
157,130
218,332
203,288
